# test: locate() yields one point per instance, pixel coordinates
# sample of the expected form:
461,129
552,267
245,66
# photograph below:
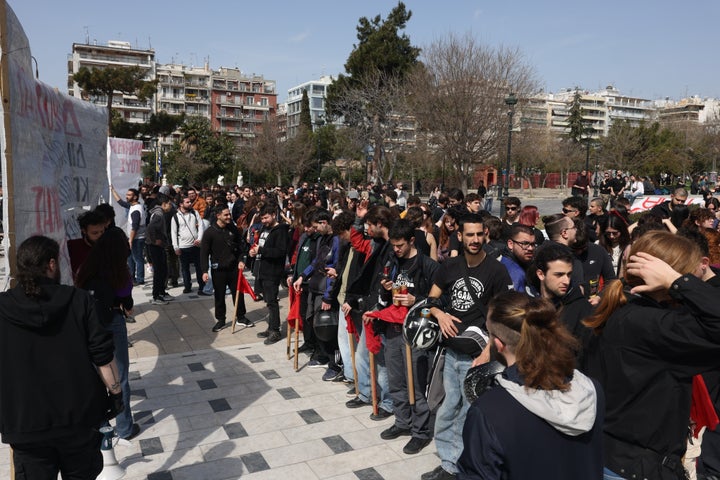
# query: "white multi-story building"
599,110
183,90
114,54
316,91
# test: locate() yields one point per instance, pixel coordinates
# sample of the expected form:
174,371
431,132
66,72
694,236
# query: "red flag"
294,318
702,411
243,286
391,314
350,326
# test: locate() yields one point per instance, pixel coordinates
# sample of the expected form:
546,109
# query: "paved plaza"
225,406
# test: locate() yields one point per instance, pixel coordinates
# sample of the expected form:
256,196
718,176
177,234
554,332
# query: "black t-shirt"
488,279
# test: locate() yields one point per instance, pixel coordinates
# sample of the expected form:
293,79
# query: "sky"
649,49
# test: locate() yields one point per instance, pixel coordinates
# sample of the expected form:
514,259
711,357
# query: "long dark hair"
108,257
33,256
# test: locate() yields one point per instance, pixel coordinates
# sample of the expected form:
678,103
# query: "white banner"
53,153
124,171
642,204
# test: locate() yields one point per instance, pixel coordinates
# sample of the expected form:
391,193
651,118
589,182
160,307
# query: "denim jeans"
187,256
610,475
136,260
124,421
451,414
488,203
344,346
362,365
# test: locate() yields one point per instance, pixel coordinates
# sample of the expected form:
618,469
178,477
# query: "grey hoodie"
571,412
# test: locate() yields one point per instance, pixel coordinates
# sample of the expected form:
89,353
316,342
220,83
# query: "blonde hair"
681,253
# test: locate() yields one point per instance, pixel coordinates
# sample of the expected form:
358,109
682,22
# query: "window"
250,100
264,101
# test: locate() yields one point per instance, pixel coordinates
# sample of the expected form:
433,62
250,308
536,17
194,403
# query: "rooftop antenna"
87,35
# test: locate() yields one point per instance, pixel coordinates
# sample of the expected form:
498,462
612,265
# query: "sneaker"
274,337
305,348
394,432
316,364
351,393
340,378
263,334
219,326
187,290
159,301
348,381
203,294
381,415
259,298
331,375
356,403
167,296
130,319
134,432
245,321
415,445
438,474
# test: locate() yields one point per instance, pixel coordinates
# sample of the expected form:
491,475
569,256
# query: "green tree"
305,118
106,81
577,128
201,155
367,96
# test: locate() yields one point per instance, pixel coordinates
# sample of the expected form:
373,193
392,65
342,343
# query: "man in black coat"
225,246
271,251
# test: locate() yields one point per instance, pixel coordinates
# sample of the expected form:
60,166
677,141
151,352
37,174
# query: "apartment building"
114,54
599,110
316,91
240,103
185,90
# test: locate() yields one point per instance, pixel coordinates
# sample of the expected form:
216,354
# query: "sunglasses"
568,210
511,208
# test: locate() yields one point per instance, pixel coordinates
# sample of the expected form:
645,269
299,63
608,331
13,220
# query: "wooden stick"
410,379
351,340
373,381
289,331
297,342
237,300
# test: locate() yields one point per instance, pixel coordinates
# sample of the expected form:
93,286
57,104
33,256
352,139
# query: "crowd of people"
601,327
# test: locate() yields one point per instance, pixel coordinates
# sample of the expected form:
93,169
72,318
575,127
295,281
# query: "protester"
225,248
654,336
467,282
558,409
56,369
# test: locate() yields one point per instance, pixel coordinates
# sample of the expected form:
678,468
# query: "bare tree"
458,99
378,113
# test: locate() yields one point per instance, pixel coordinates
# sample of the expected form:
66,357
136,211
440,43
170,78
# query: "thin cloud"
299,38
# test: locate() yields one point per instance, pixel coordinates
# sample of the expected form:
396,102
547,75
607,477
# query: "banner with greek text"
124,171
54,151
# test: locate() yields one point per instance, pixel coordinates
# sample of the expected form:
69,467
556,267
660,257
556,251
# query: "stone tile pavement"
225,406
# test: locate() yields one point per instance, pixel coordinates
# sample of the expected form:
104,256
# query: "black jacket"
646,357
49,350
274,252
225,246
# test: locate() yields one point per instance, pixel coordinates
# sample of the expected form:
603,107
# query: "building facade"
114,54
316,91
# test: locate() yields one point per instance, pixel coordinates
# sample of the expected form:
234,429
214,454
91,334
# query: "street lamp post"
511,100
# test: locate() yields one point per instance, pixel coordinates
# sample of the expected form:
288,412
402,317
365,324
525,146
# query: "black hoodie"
50,347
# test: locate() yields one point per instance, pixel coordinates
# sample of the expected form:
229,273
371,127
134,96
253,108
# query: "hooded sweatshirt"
512,432
49,350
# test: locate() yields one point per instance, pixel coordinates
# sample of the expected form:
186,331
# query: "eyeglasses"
569,210
511,208
525,245
610,233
